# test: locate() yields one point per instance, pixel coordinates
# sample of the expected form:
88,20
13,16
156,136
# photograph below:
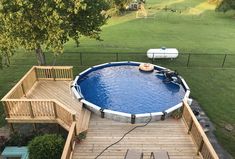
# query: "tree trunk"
1,64
40,56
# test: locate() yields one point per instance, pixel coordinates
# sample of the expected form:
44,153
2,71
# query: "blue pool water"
126,89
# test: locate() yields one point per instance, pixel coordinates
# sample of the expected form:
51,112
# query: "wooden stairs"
83,120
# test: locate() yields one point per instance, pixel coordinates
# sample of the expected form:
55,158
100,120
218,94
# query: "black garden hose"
138,126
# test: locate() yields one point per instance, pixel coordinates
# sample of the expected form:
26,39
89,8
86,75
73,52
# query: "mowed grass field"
194,28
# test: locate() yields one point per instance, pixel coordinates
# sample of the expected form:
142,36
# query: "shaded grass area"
208,32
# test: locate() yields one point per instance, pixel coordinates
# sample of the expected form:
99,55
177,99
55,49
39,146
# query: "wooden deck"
43,95
170,135
61,91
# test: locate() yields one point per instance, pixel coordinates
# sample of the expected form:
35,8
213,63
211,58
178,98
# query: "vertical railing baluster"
190,126
200,146
55,110
31,110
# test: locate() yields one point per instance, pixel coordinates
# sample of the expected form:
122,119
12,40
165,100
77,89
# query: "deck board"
170,135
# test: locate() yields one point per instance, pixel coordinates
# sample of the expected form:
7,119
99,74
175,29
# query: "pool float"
147,67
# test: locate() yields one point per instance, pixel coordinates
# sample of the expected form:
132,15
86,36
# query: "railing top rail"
68,140
56,67
28,100
197,124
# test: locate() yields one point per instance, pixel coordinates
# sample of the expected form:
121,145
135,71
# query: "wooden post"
34,127
74,117
75,129
58,128
200,146
5,109
31,109
23,90
71,146
11,127
55,111
53,73
190,126
36,72
71,72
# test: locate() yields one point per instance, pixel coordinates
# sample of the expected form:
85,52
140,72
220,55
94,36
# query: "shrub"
46,147
17,139
3,141
21,139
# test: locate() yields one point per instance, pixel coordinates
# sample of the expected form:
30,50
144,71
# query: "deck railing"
39,73
23,86
204,147
70,143
19,109
42,110
54,72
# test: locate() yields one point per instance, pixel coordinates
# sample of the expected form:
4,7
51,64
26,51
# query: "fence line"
215,60
184,59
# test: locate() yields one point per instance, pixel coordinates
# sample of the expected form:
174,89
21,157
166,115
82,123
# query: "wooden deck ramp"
84,120
170,135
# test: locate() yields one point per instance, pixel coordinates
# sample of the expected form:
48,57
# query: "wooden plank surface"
169,135
59,90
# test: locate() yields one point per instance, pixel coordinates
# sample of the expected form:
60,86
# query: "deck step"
84,119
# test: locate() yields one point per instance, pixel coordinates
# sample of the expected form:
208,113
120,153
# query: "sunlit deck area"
43,95
61,91
169,135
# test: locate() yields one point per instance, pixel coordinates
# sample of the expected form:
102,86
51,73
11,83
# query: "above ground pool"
120,91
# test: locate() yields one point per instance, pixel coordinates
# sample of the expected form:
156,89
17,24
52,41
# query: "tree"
6,46
226,5
47,25
119,5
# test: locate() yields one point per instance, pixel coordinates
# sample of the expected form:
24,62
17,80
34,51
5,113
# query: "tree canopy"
41,24
226,5
118,6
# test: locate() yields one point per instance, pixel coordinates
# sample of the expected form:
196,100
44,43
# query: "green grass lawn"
197,29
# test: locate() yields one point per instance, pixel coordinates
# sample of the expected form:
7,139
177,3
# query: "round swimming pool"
120,89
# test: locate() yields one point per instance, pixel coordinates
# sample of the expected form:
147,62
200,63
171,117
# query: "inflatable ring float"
147,67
